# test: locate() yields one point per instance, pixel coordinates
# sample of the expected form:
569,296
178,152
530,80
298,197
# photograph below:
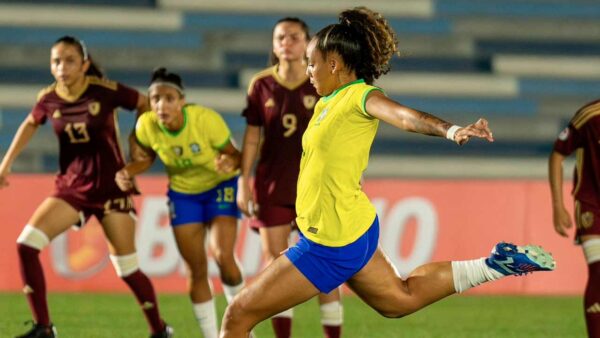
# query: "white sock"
332,314
231,290
467,274
289,313
206,315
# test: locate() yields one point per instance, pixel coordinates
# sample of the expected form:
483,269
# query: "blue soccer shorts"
329,267
203,207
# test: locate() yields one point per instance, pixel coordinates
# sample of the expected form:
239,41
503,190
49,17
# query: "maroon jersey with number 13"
88,134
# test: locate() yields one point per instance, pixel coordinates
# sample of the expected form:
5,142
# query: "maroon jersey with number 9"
283,111
88,134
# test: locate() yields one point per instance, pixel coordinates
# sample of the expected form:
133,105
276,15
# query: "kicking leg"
379,285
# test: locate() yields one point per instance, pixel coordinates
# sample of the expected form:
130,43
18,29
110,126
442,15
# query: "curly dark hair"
363,39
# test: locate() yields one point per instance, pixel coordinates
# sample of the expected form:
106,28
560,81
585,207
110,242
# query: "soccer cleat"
167,332
510,259
40,331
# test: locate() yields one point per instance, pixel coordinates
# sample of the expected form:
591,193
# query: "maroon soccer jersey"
583,137
283,111
90,153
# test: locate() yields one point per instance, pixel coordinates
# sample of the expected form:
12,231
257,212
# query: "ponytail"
363,39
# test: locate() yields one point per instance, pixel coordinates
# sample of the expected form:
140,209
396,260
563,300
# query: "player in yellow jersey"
194,143
338,224
279,106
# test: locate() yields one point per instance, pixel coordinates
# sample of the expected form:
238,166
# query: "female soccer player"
280,103
80,105
194,143
338,224
581,135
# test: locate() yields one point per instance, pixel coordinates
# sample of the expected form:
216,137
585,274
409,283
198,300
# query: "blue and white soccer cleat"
510,259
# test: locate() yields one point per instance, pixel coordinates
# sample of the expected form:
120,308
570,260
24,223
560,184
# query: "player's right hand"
245,200
124,180
562,221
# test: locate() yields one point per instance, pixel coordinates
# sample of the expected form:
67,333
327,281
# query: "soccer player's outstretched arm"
19,141
385,109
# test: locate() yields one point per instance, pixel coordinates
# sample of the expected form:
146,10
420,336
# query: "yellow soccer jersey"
332,208
189,153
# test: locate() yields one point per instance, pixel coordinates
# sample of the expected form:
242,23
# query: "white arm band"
451,132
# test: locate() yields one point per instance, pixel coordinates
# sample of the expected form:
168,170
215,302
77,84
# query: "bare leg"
223,233
190,241
383,289
286,287
274,240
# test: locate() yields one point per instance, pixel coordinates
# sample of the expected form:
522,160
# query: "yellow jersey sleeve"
219,133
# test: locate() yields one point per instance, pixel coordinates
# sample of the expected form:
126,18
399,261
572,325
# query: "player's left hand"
478,129
124,180
225,163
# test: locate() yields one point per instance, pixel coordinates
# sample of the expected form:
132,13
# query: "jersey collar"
330,96
176,132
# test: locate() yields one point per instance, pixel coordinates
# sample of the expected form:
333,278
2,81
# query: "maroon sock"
282,326
591,301
332,331
144,292
35,283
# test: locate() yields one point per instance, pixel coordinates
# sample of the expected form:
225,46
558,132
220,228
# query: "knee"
393,313
235,314
223,257
31,237
396,307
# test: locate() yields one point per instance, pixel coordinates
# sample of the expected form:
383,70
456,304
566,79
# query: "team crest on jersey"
309,101
56,114
195,148
564,134
177,150
94,108
270,103
587,219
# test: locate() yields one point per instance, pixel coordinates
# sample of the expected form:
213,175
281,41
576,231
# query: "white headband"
165,83
84,50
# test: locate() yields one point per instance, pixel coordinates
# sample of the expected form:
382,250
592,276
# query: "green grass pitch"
117,315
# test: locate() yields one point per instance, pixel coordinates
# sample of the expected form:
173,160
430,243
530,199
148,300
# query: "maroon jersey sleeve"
568,140
253,113
39,113
126,97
